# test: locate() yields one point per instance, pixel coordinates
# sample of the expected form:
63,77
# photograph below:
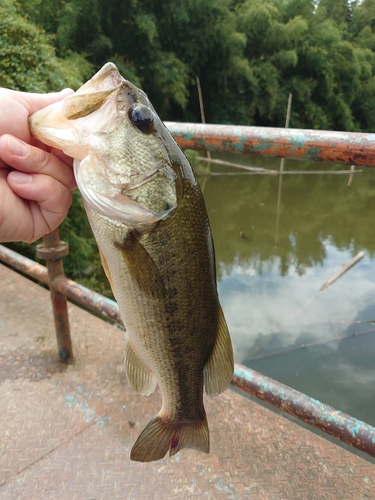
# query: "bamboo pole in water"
282,162
344,268
243,167
352,169
286,172
201,107
270,171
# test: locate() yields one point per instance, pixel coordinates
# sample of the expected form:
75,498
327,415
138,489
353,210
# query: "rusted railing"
337,147
351,148
342,426
53,250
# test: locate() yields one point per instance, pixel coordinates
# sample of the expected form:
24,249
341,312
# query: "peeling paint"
342,426
351,148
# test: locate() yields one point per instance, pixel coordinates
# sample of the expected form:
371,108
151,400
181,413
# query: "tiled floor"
66,430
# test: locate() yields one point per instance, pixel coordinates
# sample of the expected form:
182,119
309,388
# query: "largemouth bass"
148,216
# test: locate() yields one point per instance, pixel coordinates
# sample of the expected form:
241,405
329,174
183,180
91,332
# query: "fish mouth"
62,124
107,78
82,122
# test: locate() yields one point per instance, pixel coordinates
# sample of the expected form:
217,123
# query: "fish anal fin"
160,435
219,369
141,265
140,378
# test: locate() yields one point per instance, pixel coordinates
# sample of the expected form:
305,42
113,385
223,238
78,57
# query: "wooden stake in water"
268,171
243,167
282,171
344,268
352,169
200,97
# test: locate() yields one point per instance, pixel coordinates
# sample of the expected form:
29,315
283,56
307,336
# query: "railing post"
53,250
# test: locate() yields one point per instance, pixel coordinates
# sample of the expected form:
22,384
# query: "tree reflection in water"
322,343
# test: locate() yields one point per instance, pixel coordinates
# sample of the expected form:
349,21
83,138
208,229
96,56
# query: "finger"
32,160
16,107
49,200
39,144
34,102
3,165
62,156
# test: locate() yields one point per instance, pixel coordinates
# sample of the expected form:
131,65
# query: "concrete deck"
66,430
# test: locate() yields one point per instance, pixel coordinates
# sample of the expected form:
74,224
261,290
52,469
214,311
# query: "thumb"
34,102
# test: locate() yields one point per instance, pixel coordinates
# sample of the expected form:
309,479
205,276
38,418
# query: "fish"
149,219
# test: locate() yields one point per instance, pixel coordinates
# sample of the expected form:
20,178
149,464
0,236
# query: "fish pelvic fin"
219,369
140,378
161,435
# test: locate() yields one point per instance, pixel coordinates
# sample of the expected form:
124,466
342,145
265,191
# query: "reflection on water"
322,343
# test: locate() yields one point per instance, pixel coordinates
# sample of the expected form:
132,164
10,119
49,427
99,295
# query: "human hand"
35,180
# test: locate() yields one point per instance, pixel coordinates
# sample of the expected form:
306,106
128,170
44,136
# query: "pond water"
275,247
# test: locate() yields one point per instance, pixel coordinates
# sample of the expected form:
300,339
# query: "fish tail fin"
160,435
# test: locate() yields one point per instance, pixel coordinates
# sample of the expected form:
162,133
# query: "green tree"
314,56
249,55
27,56
161,46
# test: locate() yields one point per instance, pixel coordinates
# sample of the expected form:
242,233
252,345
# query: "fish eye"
140,116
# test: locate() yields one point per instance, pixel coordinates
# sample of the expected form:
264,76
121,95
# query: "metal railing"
342,426
352,148
336,147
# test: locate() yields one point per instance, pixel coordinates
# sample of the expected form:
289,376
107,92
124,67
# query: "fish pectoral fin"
219,369
161,435
141,266
140,378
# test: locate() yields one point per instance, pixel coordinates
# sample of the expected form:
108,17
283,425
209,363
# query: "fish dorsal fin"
139,376
218,371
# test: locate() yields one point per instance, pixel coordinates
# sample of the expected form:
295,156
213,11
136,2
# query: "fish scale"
148,216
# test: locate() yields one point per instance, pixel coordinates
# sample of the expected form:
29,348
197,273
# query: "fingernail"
21,177
17,147
66,92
